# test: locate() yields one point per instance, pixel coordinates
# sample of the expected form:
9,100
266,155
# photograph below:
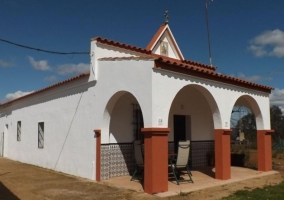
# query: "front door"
179,129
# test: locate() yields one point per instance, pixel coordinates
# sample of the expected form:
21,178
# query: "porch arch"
264,149
117,135
122,97
249,102
202,117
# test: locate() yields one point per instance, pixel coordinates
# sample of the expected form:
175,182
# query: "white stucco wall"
190,102
69,143
129,76
172,53
72,111
121,127
167,84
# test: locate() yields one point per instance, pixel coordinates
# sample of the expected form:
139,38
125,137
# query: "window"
41,135
19,130
137,122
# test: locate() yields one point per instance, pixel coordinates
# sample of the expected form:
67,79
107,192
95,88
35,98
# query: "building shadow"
6,194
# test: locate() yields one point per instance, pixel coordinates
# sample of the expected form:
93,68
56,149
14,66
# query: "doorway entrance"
179,130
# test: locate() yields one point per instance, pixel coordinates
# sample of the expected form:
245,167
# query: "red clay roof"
47,88
160,30
208,74
148,52
121,45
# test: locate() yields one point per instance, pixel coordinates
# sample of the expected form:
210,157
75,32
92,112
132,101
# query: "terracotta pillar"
264,150
155,160
98,154
222,154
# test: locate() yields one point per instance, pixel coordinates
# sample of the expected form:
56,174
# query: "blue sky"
247,37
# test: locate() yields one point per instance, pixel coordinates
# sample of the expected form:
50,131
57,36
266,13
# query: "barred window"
137,122
19,131
41,135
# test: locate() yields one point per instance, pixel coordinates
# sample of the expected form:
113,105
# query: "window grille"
19,130
40,134
137,122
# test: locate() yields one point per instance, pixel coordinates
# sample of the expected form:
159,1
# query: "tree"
277,123
247,125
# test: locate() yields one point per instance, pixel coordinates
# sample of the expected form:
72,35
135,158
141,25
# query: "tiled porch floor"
203,178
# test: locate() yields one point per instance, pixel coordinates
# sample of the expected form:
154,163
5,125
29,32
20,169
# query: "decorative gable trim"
164,30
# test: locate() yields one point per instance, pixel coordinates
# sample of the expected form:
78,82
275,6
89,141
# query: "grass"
274,192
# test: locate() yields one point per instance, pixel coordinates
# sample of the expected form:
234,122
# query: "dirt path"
26,182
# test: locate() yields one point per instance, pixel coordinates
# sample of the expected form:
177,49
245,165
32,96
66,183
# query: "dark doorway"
179,129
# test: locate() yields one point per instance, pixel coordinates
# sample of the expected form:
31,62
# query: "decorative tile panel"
199,151
104,162
118,159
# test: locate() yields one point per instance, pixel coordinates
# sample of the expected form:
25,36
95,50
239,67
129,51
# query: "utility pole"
208,31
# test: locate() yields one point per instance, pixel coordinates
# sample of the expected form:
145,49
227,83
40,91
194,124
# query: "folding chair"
182,162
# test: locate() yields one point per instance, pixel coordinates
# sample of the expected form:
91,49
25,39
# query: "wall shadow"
6,194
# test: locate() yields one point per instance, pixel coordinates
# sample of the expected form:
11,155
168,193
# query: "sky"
247,37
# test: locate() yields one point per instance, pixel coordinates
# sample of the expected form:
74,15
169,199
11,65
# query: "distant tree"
247,125
277,123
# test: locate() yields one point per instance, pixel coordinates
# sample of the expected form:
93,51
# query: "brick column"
222,154
155,160
98,154
264,150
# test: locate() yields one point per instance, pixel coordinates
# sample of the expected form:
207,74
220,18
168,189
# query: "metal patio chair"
182,162
138,156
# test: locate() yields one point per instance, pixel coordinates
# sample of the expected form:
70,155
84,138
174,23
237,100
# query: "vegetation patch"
269,192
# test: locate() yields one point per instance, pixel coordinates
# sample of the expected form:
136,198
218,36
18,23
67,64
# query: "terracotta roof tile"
121,45
209,74
47,88
148,52
126,58
189,65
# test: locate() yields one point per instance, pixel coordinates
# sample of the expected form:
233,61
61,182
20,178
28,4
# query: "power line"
42,50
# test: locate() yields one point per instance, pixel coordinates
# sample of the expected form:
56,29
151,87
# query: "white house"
85,125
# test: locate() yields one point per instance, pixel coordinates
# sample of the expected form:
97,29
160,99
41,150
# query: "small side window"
41,135
19,131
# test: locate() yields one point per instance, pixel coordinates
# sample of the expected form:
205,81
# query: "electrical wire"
42,50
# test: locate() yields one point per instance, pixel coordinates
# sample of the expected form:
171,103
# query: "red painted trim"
155,160
154,39
222,154
175,45
264,150
98,154
156,130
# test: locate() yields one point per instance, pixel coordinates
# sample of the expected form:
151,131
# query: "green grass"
269,192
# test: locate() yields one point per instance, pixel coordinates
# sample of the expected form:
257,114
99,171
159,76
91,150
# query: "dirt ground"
26,182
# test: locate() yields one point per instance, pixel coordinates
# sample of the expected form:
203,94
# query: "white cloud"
253,78
51,78
60,69
16,95
268,43
277,98
39,65
4,63
73,68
